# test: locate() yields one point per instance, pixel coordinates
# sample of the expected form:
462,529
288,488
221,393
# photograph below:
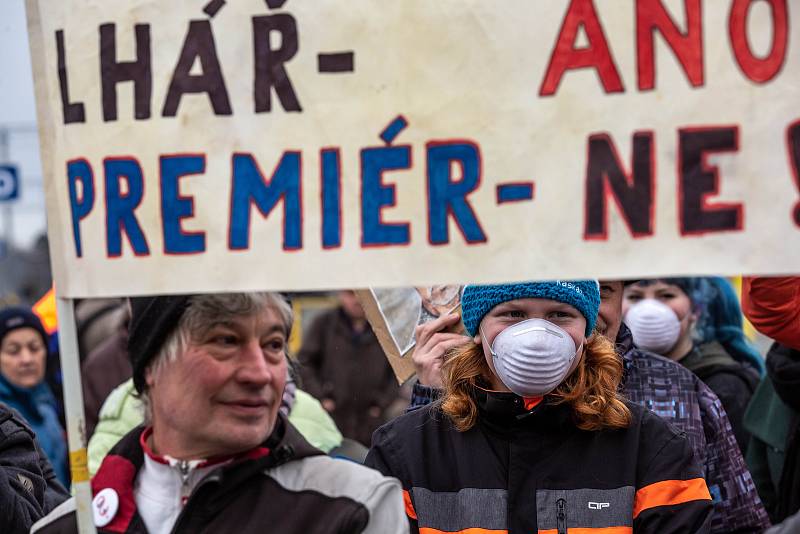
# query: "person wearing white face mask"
531,433
663,316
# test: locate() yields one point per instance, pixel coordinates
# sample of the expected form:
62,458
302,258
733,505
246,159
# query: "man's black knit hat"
153,319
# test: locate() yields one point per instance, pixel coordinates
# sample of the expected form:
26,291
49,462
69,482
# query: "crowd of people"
628,406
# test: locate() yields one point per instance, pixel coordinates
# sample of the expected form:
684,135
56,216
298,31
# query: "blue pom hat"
583,295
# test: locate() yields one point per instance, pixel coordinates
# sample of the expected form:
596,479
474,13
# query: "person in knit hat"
23,360
531,433
215,453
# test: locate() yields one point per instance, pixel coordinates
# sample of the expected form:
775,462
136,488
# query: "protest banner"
220,146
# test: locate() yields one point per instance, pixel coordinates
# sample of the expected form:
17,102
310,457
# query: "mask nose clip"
538,329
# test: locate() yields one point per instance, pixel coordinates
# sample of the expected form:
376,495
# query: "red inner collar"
252,454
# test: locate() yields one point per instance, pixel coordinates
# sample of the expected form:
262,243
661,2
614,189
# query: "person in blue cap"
531,433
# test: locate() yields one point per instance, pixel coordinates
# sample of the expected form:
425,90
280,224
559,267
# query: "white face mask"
533,357
655,327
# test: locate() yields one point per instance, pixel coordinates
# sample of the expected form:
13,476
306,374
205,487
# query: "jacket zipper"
282,454
183,467
562,516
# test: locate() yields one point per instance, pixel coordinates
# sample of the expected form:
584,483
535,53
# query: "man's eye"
275,345
633,297
224,340
516,314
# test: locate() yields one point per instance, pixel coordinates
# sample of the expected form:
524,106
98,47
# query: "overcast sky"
18,109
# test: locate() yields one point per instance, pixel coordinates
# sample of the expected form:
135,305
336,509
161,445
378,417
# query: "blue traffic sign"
9,183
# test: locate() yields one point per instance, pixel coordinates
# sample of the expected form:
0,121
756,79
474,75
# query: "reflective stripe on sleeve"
410,512
670,492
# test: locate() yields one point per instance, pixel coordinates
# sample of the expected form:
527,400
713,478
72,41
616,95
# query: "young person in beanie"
531,434
661,385
23,361
215,453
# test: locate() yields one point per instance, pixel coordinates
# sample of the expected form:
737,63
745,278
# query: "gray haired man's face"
222,395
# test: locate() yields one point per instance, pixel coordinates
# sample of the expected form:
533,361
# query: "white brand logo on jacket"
598,505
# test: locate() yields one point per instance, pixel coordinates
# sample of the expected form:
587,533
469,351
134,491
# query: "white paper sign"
217,146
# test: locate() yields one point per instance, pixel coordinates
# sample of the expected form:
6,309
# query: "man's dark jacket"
285,486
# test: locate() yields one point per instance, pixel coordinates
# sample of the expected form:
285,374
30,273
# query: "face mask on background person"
654,325
533,357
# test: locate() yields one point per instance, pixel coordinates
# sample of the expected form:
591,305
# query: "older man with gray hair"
215,454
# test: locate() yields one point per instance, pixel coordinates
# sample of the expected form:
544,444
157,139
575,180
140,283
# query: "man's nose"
254,369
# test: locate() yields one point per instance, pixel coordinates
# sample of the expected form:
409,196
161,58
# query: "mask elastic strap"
577,358
483,336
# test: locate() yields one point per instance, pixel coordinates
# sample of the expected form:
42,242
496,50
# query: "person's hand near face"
23,357
433,342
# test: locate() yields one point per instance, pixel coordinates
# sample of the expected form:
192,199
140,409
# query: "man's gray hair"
207,311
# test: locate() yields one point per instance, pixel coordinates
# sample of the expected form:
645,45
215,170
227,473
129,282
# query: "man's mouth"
247,406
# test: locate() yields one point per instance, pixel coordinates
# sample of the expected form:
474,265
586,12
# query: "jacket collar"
508,412
121,466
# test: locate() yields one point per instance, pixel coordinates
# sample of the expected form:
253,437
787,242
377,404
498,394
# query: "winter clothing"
14,318
769,421
152,320
773,419
104,369
37,405
122,412
522,471
678,396
350,368
681,398
790,526
478,300
284,486
28,486
733,382
773,306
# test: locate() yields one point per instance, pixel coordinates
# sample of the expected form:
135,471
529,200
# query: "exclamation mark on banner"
793,143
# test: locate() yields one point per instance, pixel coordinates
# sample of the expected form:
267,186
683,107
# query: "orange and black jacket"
520,471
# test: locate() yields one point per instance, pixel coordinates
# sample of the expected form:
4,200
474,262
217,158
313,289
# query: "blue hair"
721,320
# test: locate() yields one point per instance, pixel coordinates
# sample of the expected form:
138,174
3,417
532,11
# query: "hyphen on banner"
224,146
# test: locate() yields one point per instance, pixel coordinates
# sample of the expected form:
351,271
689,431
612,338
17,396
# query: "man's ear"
477,339
149,379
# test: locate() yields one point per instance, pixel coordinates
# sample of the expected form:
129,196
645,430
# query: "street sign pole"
8,219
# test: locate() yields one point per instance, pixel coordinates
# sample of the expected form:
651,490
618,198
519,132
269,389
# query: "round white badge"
104,507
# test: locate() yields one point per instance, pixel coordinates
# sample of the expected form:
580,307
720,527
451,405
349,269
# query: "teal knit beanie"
583,295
